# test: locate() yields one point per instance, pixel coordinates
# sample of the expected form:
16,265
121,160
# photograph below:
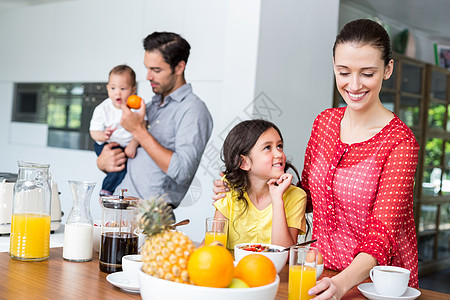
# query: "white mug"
389,280
131,264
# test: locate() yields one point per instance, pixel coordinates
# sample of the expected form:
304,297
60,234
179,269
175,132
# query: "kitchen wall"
295,69
248,58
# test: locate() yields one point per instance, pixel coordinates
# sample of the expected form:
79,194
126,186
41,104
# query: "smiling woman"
359,168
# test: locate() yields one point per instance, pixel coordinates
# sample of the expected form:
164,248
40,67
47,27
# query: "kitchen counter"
56,278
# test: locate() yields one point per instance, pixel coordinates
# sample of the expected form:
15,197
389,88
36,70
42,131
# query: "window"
65,107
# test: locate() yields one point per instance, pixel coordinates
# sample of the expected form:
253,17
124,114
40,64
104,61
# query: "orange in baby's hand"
134,101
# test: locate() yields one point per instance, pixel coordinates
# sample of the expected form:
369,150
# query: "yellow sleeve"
224,205
294,207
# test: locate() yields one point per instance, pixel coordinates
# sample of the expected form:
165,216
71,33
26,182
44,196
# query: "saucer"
118,279
368,290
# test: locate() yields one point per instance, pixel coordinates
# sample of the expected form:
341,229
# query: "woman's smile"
356,96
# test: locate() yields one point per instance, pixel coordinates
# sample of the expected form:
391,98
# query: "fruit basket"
153,288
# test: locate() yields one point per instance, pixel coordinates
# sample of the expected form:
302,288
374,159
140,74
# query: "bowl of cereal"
273,252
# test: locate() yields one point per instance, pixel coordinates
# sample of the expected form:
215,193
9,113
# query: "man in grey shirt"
179,126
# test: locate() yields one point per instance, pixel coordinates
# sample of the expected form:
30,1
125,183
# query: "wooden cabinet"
419,94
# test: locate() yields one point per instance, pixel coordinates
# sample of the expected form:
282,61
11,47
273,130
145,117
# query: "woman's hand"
355,273
219,189
277,187
327,289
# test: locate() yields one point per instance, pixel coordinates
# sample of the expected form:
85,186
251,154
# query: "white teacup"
131,264
389,280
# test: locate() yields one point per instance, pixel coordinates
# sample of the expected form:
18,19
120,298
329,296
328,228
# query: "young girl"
263,206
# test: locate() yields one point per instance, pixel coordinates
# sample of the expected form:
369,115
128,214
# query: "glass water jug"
31,214
78,231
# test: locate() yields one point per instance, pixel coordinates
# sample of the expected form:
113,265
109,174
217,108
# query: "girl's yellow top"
255,226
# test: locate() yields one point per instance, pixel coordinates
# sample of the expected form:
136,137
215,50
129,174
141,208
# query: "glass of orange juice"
302,272
216,230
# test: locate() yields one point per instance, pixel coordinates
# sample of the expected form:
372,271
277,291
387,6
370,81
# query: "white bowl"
279,259
153,288
319,271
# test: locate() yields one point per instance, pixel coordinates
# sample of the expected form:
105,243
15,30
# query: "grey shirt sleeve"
192,134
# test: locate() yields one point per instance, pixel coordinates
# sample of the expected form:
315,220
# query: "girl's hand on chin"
277,187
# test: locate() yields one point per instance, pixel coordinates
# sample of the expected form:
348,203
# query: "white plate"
368,290
118,279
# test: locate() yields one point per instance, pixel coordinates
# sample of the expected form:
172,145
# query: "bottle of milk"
78,231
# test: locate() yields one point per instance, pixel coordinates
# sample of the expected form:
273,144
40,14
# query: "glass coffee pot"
119,231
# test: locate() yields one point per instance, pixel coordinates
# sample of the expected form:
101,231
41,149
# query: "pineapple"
166,252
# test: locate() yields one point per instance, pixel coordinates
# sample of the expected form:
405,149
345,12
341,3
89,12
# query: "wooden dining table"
56,278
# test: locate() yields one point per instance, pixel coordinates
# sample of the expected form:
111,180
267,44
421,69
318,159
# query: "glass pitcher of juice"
30,222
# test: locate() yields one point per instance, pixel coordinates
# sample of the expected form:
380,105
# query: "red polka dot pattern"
362,194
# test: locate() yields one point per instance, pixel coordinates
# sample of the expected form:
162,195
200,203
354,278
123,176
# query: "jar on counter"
31,213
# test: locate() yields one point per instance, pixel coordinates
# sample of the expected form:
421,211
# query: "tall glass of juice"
302,272
30,222
216,230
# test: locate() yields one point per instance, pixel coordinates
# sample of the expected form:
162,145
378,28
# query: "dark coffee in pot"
113,246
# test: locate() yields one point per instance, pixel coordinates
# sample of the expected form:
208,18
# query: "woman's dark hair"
172,47
365,31
121,69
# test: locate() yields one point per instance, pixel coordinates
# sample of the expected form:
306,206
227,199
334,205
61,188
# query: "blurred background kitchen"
257,58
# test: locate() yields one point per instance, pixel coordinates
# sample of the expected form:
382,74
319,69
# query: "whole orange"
255,270
134,101
211,266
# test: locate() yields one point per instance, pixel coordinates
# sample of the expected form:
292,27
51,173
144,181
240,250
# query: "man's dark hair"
172,47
